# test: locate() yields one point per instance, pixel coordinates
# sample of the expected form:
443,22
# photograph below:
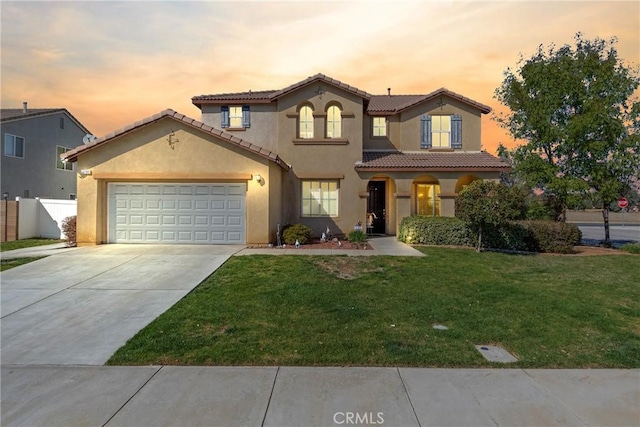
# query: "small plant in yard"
632,248
69,230
357,236
297,232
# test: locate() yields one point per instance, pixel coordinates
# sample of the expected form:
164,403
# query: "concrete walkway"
36,251
296,396
80,306
388,245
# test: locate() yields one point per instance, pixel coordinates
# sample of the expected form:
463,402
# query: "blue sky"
112,63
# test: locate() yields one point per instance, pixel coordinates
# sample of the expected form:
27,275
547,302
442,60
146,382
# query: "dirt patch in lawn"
591,251
348,268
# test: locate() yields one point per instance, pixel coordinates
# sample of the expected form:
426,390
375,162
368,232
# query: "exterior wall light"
85,172
257,177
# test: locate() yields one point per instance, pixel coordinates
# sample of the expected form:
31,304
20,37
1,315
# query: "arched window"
305,122
334,122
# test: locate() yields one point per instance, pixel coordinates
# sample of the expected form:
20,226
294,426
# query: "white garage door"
177,213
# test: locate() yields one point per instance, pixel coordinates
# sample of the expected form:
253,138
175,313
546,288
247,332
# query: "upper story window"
13,146
379,126
334,122
235,117
61,122
441,131
59,163
305,122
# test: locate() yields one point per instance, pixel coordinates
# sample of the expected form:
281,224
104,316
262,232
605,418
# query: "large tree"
575,110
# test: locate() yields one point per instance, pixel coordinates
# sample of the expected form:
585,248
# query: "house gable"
183,120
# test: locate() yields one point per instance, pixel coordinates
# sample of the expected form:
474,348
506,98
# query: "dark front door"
376,207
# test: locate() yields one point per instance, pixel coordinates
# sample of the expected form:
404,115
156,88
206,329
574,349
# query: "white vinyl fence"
43,217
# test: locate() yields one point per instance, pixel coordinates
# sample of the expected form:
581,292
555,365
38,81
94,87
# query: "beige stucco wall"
404,128
263,130
410,123
194,156
322,158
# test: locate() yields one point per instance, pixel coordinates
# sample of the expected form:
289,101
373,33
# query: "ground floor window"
427,199
320,198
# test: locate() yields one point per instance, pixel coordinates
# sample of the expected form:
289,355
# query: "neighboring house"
319,152
32,141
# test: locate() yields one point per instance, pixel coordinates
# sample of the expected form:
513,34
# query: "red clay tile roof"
251,96
392,104
377,104
12,114
322,78
271,95
72,155
430,161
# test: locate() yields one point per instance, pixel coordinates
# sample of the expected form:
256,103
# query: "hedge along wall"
535,236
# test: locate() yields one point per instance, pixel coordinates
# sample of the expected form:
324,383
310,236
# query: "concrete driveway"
78,307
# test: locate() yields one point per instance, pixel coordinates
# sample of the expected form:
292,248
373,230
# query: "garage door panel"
234,220
235,205
177,213
153,204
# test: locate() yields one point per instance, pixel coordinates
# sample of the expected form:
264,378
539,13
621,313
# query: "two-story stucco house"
32,141
319,152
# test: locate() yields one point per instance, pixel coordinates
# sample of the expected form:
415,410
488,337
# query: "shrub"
513,236
554,237
69,230
632,248
357,236
539,209
299,232
486,204
435,231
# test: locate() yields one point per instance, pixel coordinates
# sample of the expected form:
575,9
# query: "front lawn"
549,311
27,243
6,264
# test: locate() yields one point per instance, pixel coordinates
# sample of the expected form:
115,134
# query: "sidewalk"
388,245
35,251
317,396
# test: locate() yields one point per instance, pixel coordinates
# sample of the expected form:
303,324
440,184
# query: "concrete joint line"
406,392
556,397
132,396
100,274
67,288
273,386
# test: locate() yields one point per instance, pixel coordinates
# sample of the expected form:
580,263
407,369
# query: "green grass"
632,248
27,243
550,311
7,264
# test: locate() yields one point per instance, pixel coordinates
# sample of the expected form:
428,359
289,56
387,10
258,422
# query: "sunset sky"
113,63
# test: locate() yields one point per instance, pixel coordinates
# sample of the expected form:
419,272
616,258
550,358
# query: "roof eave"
362,168
72,155
200,103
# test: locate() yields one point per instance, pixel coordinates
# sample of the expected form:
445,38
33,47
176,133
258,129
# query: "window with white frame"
59,163
320,198
13,146
379,126
235,117
305,122
441,131
334,122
